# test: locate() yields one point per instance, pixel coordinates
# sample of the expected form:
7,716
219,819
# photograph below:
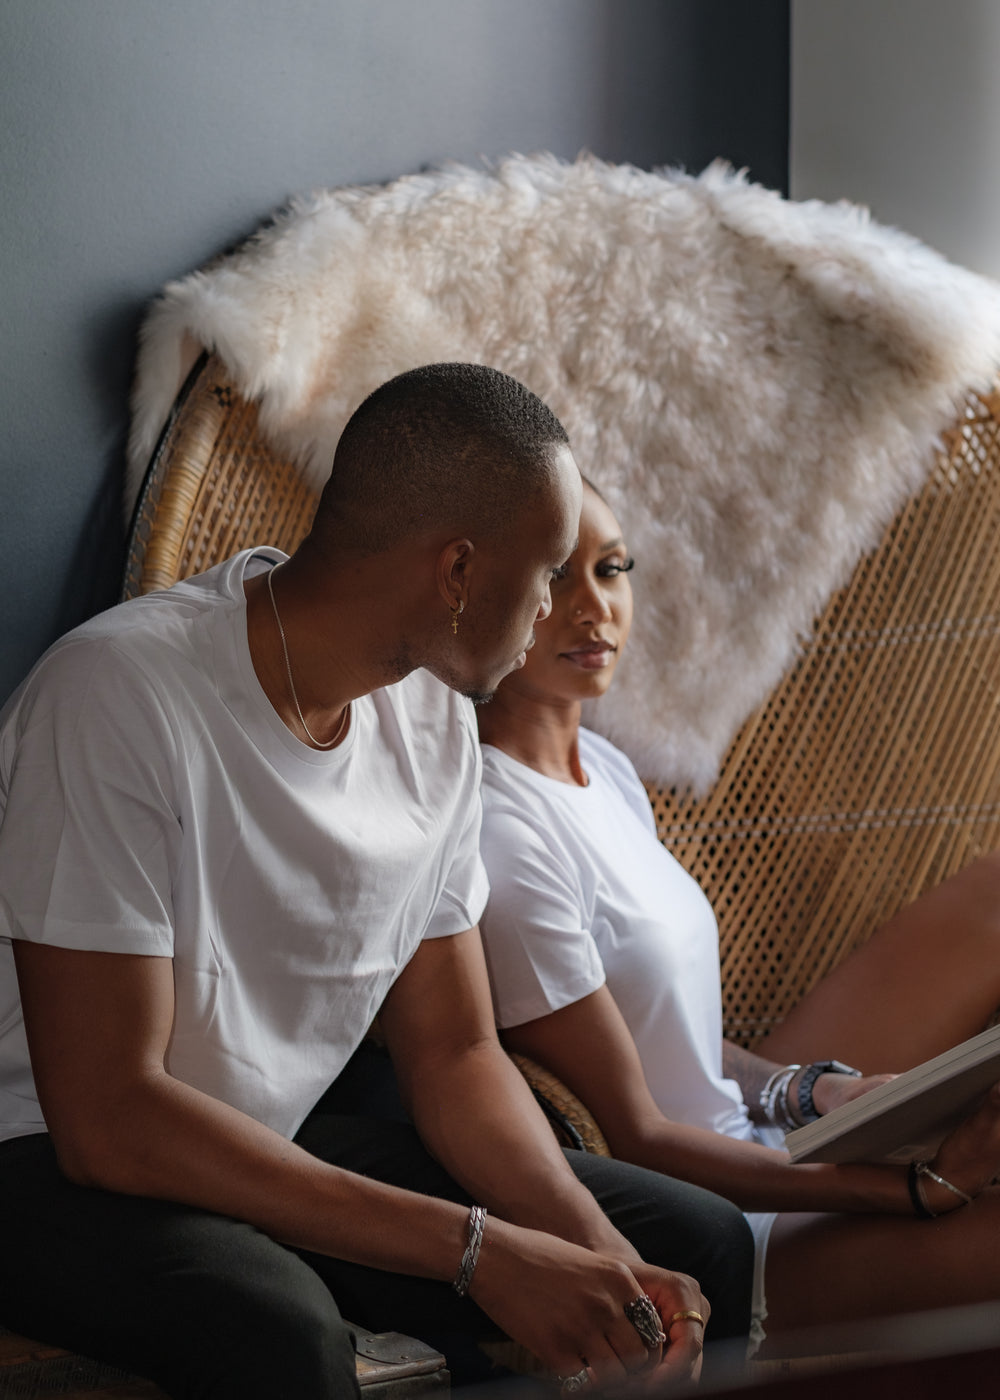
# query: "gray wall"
896,105
140,137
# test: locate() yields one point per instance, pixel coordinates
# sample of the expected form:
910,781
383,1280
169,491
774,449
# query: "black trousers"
207,1306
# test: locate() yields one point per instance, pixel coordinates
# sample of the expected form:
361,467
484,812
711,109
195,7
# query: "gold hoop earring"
455,614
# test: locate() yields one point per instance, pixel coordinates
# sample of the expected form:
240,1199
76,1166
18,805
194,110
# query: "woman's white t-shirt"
582,893
153,802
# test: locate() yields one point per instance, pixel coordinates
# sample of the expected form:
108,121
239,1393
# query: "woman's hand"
831,1090
567,1305
969,1157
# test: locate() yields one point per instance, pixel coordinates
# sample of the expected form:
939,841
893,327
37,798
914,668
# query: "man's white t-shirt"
583,893
152,802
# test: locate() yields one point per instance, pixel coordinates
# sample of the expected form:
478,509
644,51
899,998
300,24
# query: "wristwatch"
807,1106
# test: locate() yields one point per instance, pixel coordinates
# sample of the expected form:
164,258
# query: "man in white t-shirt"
239,818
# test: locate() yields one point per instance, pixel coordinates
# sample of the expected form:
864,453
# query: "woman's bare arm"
752,1071
589,1047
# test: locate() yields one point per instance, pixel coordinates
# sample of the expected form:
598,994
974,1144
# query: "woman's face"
578,645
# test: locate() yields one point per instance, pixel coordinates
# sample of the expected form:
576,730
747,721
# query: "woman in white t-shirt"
603,956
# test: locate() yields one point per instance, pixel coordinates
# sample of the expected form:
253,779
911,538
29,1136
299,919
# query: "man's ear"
454,572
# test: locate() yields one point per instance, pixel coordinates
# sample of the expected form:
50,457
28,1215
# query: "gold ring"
688,1315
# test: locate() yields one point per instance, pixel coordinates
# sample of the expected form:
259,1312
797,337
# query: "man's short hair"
448,446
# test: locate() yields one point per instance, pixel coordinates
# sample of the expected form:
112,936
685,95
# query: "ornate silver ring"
642,1314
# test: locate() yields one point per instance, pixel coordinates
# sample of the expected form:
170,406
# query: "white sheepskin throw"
756,385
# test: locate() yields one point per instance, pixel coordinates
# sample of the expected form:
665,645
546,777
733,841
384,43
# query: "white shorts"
760,1223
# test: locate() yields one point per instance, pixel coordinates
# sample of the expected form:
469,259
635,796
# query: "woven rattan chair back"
873,772
213,487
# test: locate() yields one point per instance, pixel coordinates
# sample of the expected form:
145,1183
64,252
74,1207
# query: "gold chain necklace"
291,684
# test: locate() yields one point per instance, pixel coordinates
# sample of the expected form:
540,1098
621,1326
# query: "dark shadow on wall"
93,579
692,80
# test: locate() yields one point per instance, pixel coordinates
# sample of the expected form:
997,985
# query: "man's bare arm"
98,1026
470,1104
477,1115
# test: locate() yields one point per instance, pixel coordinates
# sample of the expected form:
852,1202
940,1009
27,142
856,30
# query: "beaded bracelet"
477,1223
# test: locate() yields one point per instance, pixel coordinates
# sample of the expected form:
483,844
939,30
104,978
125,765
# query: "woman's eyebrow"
611,544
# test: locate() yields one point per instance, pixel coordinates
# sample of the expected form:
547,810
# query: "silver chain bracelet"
477,1223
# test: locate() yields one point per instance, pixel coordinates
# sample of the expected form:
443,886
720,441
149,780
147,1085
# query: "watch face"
838,1067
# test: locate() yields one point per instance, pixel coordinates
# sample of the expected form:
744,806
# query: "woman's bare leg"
828,1269
926,980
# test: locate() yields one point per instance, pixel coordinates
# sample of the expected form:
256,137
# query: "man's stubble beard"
401,662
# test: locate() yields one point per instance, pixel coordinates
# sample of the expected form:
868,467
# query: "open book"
908,1117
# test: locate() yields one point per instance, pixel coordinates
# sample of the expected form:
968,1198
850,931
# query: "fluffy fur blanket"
756,384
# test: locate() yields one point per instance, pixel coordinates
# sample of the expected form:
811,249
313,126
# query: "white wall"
896,104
